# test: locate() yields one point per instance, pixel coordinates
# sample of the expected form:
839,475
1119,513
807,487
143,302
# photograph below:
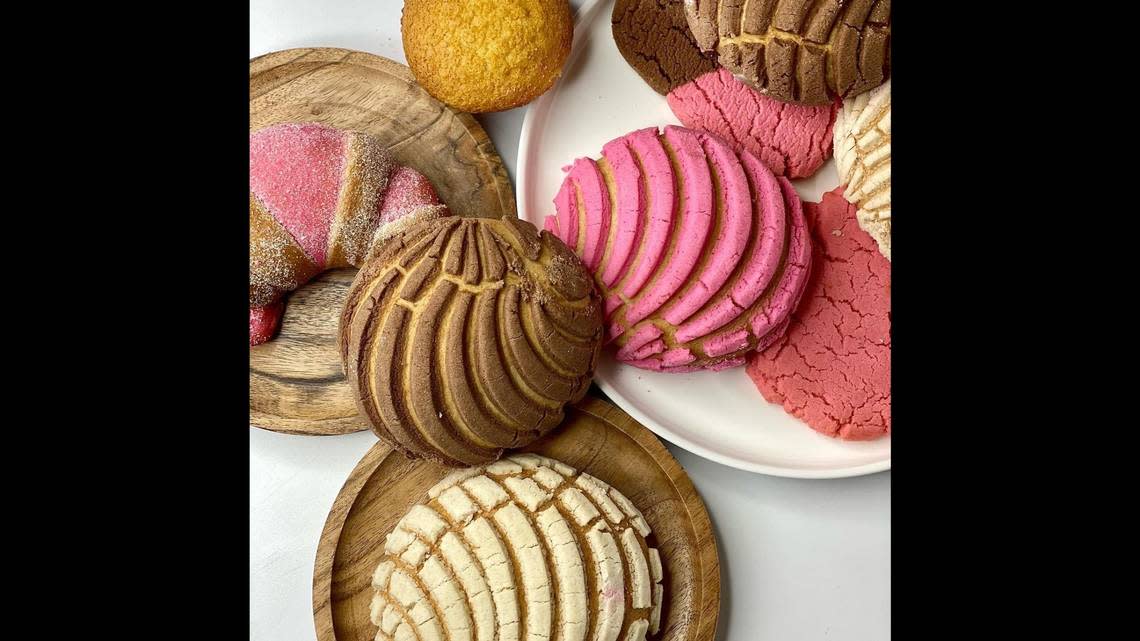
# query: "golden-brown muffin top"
486,55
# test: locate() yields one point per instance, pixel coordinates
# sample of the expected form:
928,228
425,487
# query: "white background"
800,559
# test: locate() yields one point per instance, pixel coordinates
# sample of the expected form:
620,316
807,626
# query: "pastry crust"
708,254
863,157
318,200
486,55
653,38
462,337
804,51
495,553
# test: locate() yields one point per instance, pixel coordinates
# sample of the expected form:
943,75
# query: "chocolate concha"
804,51
524,548
700,252
463,337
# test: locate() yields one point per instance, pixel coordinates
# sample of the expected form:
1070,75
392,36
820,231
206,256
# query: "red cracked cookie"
832,368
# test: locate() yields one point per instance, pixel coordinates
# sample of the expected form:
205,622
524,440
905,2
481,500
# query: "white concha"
863,158
523,549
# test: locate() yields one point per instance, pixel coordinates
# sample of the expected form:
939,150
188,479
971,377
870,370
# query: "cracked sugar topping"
654,39
792,140
832,368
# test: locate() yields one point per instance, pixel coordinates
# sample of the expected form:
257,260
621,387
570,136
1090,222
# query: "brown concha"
803,51
463,337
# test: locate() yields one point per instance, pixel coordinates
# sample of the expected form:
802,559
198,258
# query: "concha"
465,336
701,254
803,51
526,548
863,158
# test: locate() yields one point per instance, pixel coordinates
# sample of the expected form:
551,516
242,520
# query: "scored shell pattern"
804,51
463,337
701,254
524,549
863,158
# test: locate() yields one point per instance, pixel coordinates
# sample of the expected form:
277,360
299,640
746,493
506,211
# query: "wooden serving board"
598,438
295,380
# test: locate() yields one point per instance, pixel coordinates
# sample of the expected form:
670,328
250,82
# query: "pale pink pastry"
792,140
700,252
832,368
320,198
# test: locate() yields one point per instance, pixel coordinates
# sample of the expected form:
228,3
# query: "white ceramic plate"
718,415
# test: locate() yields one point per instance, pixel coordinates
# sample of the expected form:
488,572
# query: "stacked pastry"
700,252
320,198
524,548
652,35
462,337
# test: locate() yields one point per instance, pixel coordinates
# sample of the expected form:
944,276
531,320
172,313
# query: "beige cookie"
523,549
863,157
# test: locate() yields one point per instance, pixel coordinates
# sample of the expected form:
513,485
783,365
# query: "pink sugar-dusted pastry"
320,198
792,140
263,322
832,368
706,251
296,171
407,189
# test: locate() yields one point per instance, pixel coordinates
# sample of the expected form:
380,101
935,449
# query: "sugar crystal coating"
320,198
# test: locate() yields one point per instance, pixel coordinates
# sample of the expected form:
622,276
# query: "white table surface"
800,559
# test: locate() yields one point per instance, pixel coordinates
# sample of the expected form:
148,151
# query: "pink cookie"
700,252
792,140
832,368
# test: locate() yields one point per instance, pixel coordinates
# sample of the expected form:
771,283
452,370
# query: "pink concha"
700,252
295,169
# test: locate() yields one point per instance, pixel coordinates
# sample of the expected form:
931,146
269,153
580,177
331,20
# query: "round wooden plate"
598,438
295,380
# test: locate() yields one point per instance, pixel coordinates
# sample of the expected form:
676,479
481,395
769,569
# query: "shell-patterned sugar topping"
321,198
462,337
804,51
863,157
523,549
700,252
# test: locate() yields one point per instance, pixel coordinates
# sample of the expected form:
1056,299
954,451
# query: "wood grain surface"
598,438
295,380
